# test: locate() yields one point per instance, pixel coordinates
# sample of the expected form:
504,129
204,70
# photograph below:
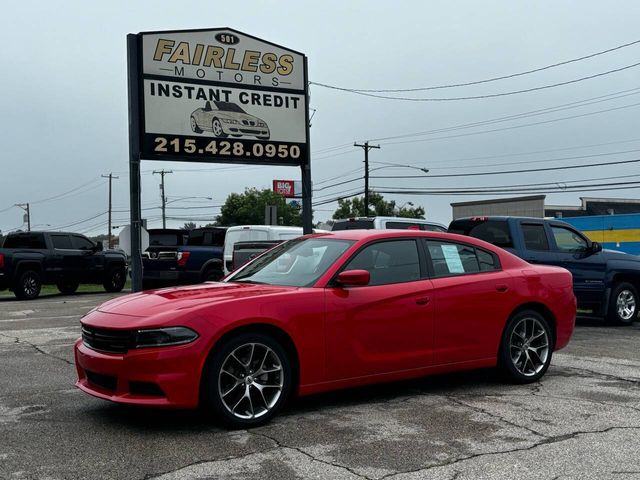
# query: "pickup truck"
605,282
198,260
29,260
243,252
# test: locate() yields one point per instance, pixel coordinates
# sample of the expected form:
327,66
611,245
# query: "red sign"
286,188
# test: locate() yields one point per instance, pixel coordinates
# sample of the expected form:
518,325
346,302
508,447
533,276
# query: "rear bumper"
159,377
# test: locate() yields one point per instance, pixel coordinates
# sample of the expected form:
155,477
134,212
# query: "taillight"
1,260
182,258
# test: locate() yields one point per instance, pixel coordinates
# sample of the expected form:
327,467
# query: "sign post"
215,96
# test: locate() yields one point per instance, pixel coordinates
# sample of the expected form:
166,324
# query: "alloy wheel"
217,128
529,346
30,285
626,305
250,381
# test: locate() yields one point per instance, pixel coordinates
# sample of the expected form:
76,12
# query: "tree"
377,206
189,226
248,208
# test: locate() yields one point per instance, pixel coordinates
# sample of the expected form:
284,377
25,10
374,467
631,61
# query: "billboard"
219,95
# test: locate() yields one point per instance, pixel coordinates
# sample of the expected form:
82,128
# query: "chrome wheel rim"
193,124
626,304
529,346
30,285
217,128
250,381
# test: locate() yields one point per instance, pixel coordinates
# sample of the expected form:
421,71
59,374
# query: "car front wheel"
28,286
247,380
526,347
115,280
623,304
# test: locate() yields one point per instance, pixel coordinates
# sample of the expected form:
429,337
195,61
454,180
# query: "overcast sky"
64,101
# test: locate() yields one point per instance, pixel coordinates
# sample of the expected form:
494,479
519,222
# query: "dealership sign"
219,95
288,188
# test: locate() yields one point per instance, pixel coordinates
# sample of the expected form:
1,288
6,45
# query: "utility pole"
366,147
164,198
25,207
110,177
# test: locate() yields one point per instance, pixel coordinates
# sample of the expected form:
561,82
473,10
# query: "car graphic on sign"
227,118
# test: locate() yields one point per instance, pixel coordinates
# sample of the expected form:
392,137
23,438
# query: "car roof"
372,234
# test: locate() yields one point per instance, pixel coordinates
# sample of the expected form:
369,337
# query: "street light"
391,165
187,198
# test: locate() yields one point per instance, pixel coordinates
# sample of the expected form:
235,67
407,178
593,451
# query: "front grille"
107,382
104,340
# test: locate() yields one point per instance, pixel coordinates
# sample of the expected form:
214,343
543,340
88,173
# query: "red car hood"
154,302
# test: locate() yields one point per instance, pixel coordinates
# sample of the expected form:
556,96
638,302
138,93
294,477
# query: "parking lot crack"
543,442
494,415
310,456
150,476
37,348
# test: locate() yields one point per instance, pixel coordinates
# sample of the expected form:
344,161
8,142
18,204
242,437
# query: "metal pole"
164,198
133,51
307,211
366,148
28,219
110,177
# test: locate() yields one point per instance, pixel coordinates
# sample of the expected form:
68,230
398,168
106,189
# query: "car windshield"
229,107
297,263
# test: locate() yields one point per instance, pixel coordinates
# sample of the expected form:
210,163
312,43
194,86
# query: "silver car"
226,118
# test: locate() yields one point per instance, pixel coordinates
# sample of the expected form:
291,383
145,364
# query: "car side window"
394,261
402,225
568,240
535,237
82,243
62,242
458,259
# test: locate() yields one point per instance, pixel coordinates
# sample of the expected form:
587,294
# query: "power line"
517,116
503,77
478,97
588,114
505,172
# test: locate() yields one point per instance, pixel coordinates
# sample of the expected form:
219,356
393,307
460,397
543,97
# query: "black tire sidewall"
20,292
211,400
505,363
108,281
67,287
612,312
212,275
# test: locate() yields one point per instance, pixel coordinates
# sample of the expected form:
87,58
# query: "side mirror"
596,247
354,278
97,247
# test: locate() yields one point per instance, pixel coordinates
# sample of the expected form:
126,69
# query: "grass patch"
83,288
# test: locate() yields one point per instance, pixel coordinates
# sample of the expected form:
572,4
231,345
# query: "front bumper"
159,377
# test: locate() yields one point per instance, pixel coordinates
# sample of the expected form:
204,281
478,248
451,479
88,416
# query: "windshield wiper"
249,281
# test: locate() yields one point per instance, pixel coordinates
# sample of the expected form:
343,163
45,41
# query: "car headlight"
229,120
162,337
262,124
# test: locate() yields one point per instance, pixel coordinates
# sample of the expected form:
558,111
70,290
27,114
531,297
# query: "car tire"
233,393
623,304
194,125
216,128
28,286
212,275
115,280
67,286
525,348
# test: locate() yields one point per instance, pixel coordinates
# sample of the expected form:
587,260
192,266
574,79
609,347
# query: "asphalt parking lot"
581,421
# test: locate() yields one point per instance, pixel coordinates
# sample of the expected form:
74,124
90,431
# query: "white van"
250,233
367,223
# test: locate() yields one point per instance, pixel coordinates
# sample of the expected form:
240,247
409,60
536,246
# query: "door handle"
423,301
501,287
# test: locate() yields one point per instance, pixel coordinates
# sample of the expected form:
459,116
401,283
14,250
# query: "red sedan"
323,312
